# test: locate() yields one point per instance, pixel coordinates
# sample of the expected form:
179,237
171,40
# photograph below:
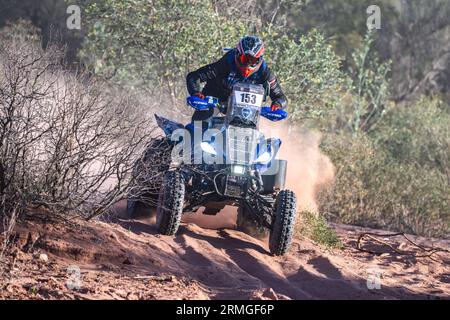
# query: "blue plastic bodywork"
202,104
276,115
210,102
168,126
271,145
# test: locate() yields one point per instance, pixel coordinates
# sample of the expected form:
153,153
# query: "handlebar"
202,104
276,115
209,102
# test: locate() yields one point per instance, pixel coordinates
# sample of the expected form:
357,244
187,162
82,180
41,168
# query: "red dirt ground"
126,259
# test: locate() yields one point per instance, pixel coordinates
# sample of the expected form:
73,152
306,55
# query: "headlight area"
237,169
208,148
264,158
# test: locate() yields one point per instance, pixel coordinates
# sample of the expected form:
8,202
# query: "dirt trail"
126,259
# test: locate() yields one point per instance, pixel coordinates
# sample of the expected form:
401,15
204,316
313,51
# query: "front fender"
168,126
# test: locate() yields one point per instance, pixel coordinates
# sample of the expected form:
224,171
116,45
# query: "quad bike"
241,169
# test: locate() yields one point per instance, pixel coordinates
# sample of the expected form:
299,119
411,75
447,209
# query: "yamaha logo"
247,113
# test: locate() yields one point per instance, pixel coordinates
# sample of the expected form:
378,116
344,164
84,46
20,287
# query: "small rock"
43,257
120,293
403,246
128,260
132,296
270,294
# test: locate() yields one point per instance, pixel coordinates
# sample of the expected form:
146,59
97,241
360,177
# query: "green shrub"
309,72
367,89
397,177
317,229
153,46
144,45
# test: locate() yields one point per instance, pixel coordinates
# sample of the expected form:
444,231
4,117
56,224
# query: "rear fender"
168,126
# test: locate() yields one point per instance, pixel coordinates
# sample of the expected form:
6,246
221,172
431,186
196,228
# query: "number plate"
248,98
234,185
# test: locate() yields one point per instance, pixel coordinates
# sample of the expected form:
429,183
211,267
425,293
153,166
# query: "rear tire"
170,203
148,173
283,228
249,226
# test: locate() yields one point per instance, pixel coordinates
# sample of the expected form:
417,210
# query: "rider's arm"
211,71
276,94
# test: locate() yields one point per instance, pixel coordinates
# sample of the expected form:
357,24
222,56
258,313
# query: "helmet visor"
249,60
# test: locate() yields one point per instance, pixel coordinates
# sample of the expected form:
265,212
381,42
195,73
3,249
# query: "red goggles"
248,60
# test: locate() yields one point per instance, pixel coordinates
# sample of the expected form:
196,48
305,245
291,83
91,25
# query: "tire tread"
283,229
172,208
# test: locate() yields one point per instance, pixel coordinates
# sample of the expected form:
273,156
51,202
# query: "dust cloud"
309,170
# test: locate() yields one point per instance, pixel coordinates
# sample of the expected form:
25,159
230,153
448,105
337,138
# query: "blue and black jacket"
220,76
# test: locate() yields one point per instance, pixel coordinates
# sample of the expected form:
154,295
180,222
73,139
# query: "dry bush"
149,169
67,142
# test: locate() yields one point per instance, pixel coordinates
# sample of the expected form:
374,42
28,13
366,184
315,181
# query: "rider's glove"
275,106
200,95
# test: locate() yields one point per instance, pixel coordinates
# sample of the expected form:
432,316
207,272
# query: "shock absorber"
259,181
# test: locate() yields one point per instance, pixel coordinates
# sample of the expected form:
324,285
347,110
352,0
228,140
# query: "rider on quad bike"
245,63
238,164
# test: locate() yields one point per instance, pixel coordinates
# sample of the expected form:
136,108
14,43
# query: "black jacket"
222,74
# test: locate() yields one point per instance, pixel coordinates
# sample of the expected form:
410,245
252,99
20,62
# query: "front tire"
283,228
170,203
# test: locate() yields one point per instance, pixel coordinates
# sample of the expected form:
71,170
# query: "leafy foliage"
398,176
343,22
317,229
368,87
145,45
309,71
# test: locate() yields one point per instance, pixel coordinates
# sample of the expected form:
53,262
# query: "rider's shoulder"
264,66
229,56
264,70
